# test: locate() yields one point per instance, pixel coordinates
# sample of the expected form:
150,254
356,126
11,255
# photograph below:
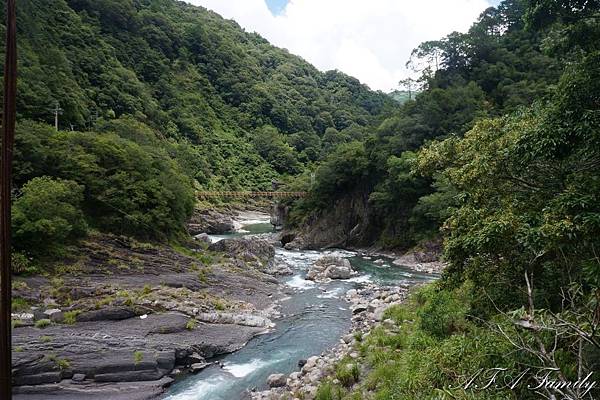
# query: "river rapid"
314,318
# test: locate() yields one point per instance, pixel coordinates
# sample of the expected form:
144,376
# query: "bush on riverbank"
47,215
416,360
100,179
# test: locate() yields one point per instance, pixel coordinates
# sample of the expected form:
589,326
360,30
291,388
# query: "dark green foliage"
125,187
48,214
188,74
495,68
530,193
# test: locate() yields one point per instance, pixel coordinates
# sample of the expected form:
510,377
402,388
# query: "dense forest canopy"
499,155
189,75
155,99
495,156
497,67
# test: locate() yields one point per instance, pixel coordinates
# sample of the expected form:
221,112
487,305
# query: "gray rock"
256,253
38,379
211,222
280,269
54,315
330,267
359,309
276,380
106,314
204,238
78,377
197,367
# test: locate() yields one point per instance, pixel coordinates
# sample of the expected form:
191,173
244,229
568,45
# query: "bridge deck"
253,194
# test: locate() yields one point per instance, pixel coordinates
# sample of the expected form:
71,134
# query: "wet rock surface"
330,267
369,303
128,314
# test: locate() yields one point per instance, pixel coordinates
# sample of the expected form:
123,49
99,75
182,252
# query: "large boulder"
330,267
211,222
106,314
257,253
276,380
279,269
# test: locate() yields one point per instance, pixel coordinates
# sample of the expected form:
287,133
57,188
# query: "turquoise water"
316,316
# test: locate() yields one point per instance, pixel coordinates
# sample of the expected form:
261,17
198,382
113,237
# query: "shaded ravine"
314,317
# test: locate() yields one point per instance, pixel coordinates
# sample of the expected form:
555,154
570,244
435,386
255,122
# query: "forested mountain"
191,76
154,99
497,67
499,156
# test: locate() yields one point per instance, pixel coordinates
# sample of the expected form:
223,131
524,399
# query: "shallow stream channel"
314,318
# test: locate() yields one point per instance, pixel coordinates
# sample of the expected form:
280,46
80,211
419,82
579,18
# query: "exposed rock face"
144,311
330,267
279,213
347,223
120,351
211,222
279,269
106,314
276,380
236,319
257,253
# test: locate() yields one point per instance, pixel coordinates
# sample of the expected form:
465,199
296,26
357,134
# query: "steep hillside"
497,67
191,76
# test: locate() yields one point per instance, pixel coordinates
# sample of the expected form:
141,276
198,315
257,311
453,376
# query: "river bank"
315,315
131,319
123,318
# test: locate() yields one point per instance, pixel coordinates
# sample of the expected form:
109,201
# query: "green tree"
47,215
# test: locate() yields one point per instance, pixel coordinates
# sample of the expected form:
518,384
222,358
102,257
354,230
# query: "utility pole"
57,111
8,135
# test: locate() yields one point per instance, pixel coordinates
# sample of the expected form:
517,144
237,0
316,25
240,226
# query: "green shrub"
138,357
45,339
42,323
329,391
48,214
22,264
347,372
443,312
191,324
70,317
19,304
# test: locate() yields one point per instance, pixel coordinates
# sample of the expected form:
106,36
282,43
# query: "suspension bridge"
270,195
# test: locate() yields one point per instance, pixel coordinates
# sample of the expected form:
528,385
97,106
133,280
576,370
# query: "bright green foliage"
43,323
124,180
187,73
530,194
347,372
414,363
48,214
495,68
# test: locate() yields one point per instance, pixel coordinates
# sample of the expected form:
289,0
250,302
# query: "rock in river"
256,253
330,267
276,380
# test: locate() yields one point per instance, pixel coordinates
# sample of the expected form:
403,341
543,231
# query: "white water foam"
242,370
359,279
201,389
297,282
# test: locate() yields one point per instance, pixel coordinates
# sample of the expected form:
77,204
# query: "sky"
368,39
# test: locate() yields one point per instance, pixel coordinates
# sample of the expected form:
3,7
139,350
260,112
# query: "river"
314,317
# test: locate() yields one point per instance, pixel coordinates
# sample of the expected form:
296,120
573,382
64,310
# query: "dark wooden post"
8,135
